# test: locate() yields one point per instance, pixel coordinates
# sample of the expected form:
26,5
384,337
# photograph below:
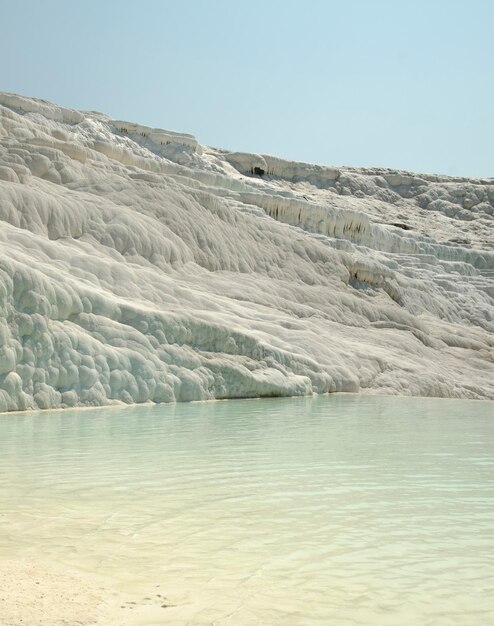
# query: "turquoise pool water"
296,512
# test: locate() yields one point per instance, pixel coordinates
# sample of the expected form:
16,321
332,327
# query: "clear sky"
395,83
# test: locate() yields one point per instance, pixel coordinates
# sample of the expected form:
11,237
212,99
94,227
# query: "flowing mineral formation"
137,265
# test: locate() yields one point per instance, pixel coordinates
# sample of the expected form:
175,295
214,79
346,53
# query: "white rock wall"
132,271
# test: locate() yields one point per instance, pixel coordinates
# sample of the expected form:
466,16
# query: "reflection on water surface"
332,510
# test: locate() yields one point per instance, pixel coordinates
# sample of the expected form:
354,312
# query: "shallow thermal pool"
297,512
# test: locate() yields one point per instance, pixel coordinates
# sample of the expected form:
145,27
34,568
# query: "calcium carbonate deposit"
138,265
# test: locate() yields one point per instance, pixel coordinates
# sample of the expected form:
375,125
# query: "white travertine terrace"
137,265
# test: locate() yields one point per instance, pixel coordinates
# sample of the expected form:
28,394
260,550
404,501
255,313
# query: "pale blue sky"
365,83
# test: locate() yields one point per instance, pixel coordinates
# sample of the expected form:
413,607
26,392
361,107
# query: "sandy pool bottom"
38,594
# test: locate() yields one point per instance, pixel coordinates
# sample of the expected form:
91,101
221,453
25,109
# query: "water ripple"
335,510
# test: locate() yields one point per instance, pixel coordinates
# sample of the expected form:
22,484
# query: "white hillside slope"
137,265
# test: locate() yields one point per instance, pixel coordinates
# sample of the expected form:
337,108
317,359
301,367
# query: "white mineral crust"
137,265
